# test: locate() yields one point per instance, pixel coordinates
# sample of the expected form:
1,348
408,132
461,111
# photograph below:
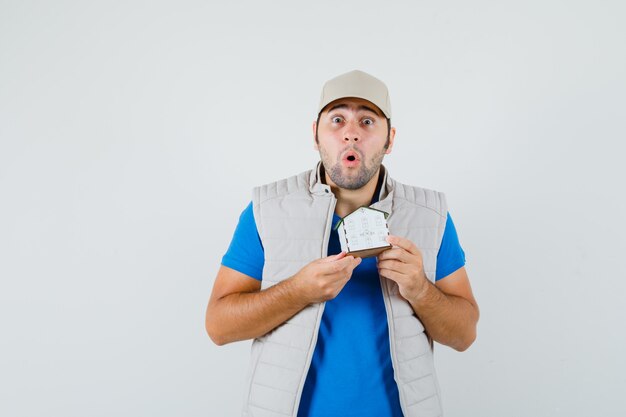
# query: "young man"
336,335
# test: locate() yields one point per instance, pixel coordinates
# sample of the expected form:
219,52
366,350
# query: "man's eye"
336,119
368,121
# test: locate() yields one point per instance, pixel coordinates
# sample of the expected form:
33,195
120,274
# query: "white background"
132,133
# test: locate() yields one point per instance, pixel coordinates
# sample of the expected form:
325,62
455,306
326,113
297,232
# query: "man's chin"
349,183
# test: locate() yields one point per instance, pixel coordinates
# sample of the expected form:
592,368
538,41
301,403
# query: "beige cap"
356,84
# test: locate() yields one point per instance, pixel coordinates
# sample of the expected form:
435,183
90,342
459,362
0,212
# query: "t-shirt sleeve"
450,256
245,253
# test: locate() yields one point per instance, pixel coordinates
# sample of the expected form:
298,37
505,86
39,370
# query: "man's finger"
356,262
395,265
332,267
403,243
333,258
395,253
391,274
349,262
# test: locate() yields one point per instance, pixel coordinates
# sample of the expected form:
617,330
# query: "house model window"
362,233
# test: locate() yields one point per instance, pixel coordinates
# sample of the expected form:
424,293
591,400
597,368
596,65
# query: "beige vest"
294,218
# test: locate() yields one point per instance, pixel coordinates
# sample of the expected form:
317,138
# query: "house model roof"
363,232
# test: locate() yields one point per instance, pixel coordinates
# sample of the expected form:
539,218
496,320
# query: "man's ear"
314,131
392,135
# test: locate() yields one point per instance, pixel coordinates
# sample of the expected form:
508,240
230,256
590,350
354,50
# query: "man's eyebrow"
345,106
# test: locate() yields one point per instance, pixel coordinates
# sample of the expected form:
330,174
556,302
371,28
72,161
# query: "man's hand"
448,316
403,264
324,278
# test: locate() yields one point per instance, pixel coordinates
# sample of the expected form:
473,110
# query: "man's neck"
350,200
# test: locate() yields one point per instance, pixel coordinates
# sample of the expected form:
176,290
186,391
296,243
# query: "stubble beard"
366,169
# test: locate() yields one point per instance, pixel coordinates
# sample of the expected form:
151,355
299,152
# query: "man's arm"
239,310
447,309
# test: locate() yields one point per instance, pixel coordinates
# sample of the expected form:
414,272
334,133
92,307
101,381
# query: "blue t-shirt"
351,372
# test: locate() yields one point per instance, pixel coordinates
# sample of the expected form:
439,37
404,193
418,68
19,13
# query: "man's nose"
351,133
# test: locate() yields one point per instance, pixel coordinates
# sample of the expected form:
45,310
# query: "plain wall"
132,133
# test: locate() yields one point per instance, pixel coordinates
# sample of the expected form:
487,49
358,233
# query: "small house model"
362,233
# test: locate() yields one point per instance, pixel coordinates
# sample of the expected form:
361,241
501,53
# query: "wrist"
297,290
421,289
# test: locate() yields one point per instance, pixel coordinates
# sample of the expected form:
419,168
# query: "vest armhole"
256,207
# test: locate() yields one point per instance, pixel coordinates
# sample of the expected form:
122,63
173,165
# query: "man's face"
352,141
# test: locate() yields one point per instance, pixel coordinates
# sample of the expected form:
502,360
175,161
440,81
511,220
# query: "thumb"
333,258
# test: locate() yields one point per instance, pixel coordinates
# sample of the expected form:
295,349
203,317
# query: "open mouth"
351,156
351,159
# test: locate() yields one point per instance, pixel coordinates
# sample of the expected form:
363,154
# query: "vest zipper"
324,253
392,342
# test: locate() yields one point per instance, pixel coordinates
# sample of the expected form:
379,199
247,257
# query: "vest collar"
385,197
316,186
